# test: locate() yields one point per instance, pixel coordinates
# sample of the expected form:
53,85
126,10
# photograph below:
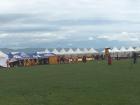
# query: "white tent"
15,53
131,49
41,52
47,51
44,52
3,59
55,51
123,49
115,49
137,49
17,57
92,51
70,51
115,52
78,51
62,52
85,51
123,52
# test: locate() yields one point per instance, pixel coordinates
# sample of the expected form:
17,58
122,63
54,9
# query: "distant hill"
26,50
30,50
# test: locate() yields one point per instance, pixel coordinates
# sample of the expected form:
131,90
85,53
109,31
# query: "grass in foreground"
72,84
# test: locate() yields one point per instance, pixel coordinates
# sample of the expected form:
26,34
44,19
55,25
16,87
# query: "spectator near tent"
134,58
84,59
8,63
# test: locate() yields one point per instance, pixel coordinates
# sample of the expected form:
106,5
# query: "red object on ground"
109,60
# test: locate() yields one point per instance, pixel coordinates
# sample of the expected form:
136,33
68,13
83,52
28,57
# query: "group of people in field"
71,59
134,57
64,60
44,61
27,62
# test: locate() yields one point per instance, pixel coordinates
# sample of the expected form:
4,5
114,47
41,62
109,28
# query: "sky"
69,23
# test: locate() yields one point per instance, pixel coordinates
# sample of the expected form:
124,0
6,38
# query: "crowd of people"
43,61
64,60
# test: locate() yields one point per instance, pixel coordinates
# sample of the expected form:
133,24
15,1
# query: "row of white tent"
123,52
71,51
123,49
91,51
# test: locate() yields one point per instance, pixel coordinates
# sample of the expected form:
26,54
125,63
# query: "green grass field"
93,83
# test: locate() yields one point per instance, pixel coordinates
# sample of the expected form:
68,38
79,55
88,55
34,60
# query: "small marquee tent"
137,49
47,51
115,52
123,49
62,52
123,52
131,49
78,51
15,55
3,59
92,51
85,51
43,52
70,51
115,49
55,51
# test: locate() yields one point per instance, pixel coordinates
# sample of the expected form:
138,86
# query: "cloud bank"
73,23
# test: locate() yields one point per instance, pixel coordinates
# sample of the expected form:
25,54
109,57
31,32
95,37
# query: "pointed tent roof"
44,52
131,49
62,51
115,49
123,49
47,51
55,51
85,51
92,50
78,51
24,55
137,48
70,51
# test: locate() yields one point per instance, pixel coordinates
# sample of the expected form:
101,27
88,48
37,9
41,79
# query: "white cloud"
3,35
48,21
90,38
62,9
124,36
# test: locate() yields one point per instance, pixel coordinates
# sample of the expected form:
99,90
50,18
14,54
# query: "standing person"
109,60
102,57
134,58
59,59
84,59
97,57
8,63
117,56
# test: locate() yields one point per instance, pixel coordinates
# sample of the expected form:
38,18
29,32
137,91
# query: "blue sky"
69,23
